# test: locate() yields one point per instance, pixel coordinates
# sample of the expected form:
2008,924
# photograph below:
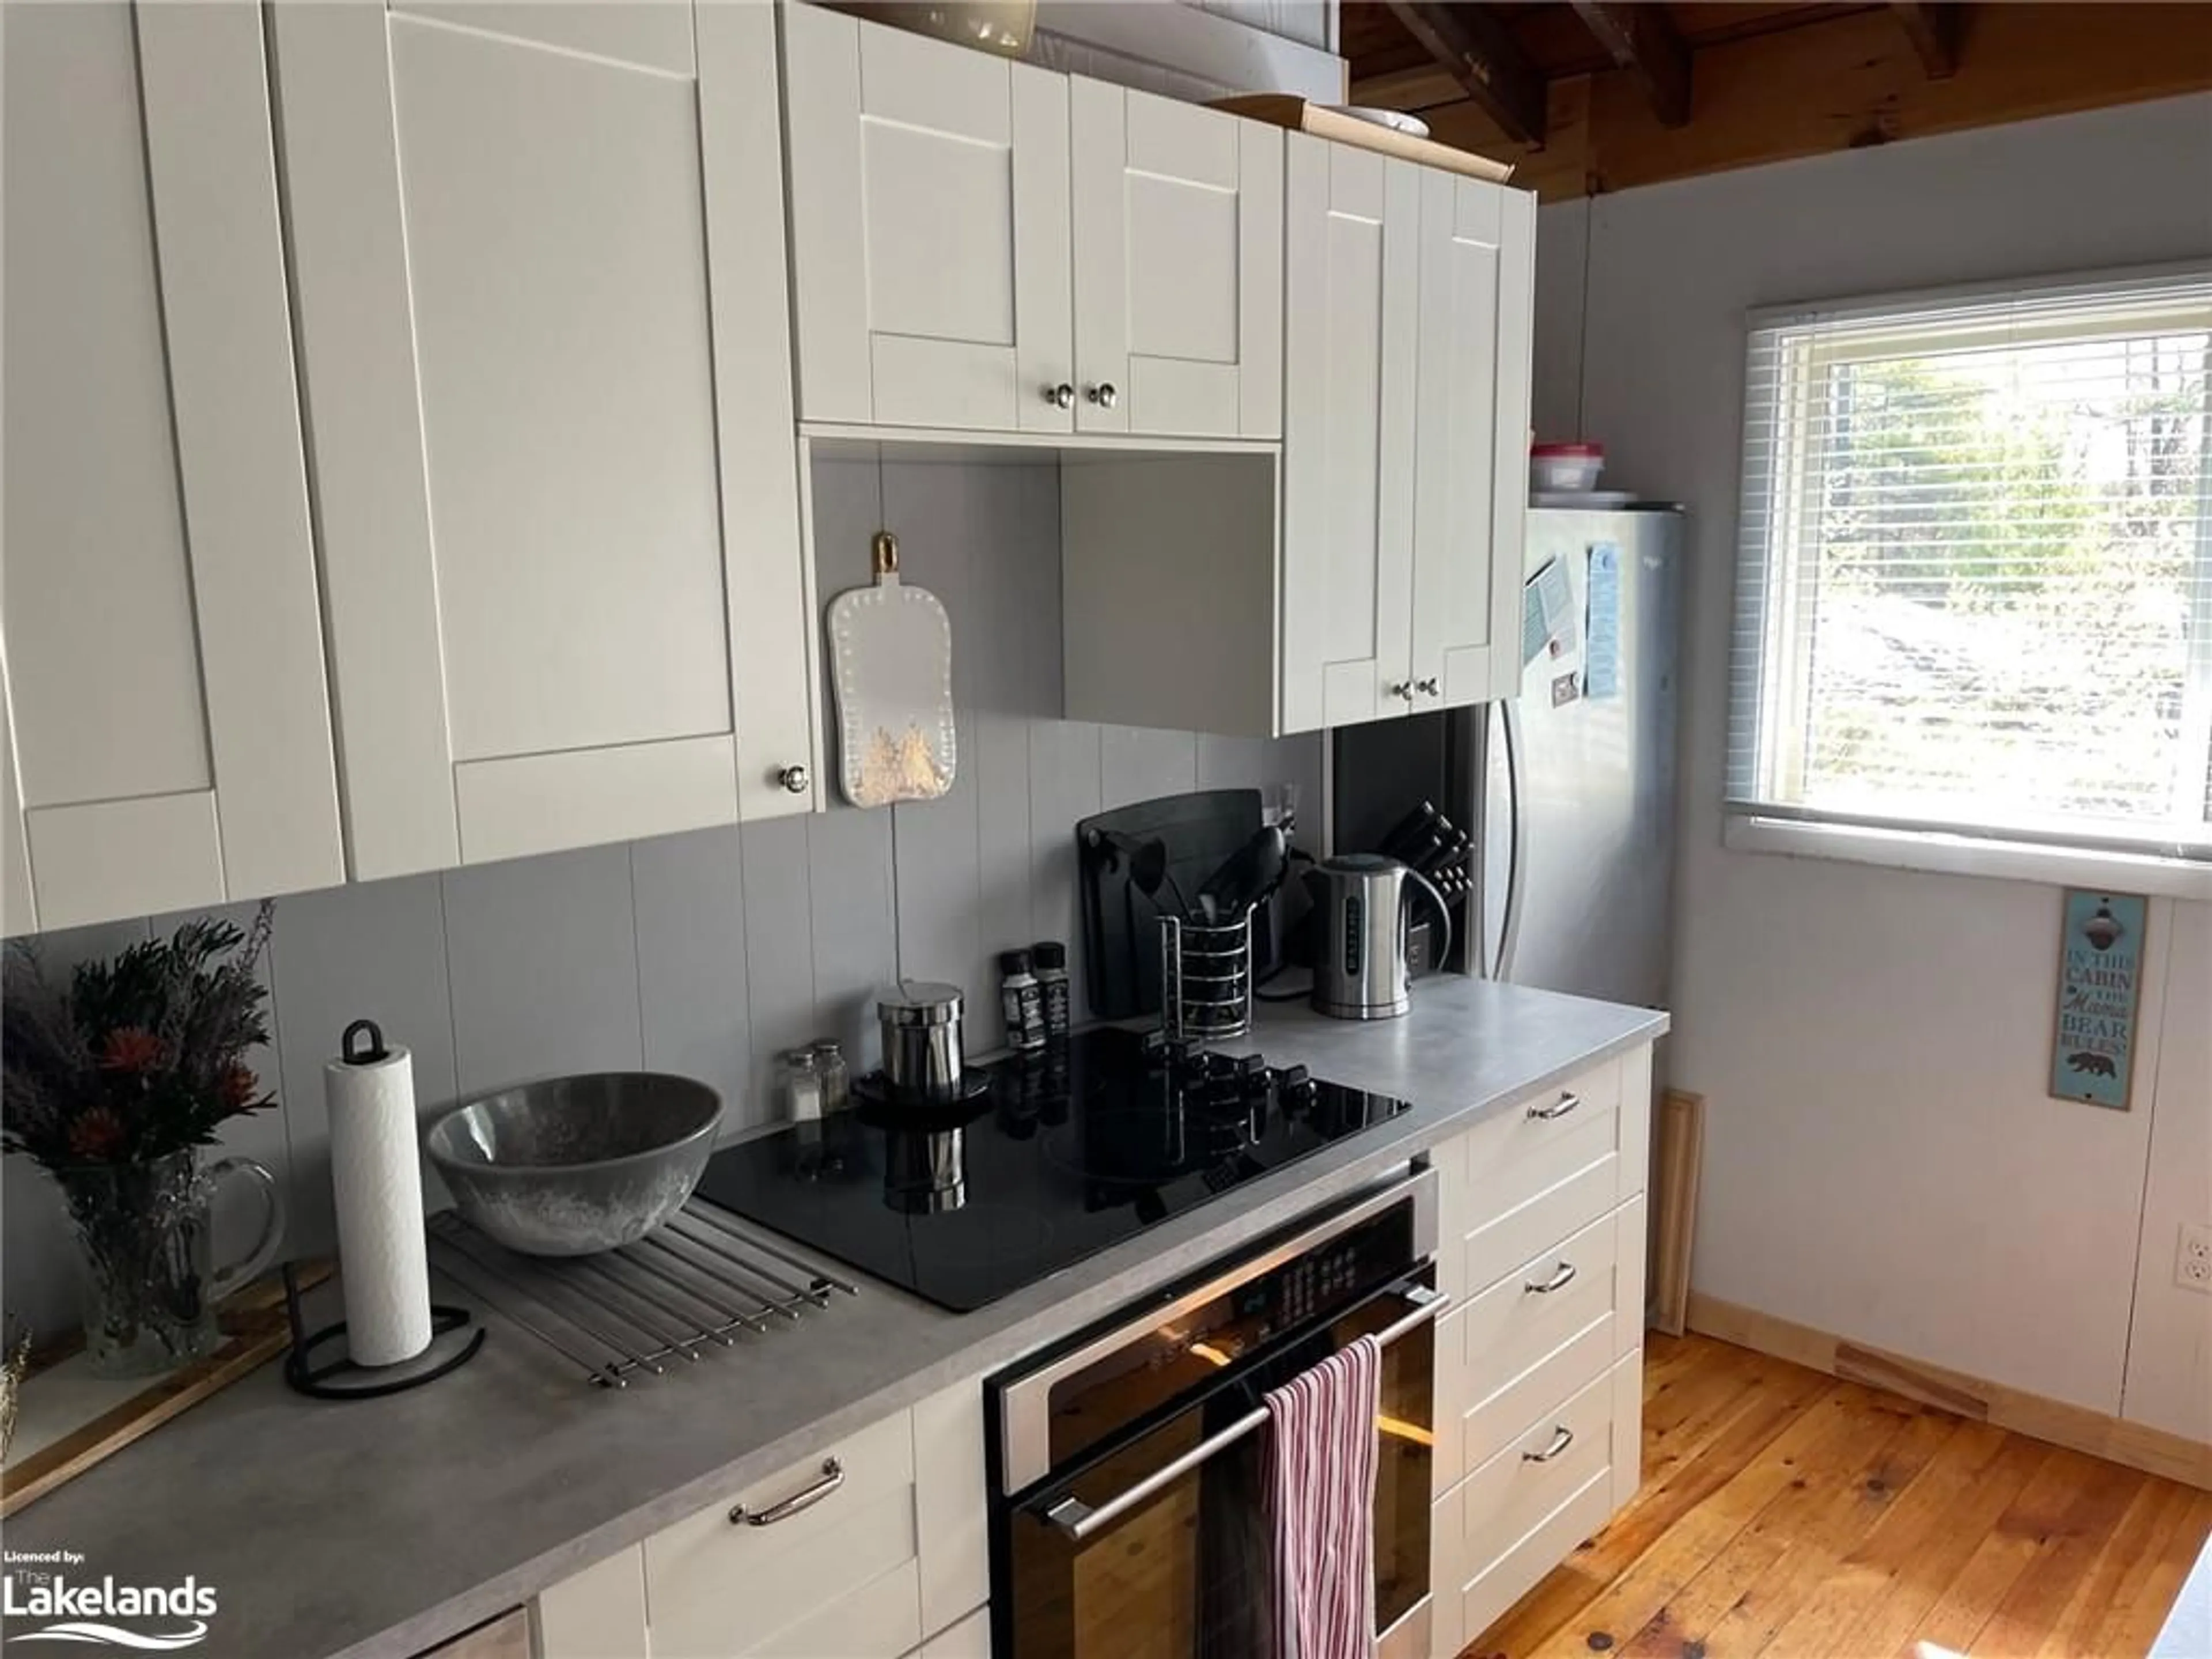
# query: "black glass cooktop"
1066,1153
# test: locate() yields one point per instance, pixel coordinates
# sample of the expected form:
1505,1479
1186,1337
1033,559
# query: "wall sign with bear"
2100,956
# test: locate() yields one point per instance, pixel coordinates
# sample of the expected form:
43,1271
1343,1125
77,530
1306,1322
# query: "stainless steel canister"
920,1022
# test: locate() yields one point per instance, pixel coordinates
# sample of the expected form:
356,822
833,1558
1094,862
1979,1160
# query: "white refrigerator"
1577,823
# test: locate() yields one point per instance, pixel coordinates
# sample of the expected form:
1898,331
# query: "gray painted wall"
705,953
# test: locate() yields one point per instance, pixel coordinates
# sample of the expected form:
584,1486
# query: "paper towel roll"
382,1258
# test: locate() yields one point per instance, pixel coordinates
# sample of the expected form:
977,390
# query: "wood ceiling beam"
1479,51
1413,89
1933,28
1639,39
1847,83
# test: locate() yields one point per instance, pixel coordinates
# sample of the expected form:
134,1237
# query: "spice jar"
1050,957
798,1086
835,1075
1022,1001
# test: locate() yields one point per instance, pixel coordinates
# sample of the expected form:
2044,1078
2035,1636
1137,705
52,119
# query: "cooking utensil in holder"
1206,976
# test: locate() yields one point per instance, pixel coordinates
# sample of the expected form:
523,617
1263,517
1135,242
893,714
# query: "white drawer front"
969,1639
1497,1149
951,1508
597,1614
1516,1348
1543,1300
880,1619
1521,1568
1508,1237
1500,1419
1502,1162
718,1590
1494,1148
1555,1454
1525,1507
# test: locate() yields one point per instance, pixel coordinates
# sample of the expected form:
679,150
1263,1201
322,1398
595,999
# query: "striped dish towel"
1320,1460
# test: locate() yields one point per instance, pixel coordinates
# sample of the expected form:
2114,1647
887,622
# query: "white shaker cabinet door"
1178,224
1477,286
1352,235
169,737
542,303
929,218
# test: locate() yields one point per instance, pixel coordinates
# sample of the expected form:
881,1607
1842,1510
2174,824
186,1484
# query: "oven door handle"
1079,1521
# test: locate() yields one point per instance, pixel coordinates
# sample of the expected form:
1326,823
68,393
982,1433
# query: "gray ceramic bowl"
572,1165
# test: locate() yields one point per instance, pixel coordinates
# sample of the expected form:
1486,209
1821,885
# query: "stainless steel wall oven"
1124,1464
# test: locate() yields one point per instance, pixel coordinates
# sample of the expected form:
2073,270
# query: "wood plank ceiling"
1590,95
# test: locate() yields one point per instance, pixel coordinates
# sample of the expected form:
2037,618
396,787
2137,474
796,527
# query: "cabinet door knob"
796,778
1103,394
1061,396
1403,691
1427,687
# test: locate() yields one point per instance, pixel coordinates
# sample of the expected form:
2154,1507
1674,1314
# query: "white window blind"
1974,592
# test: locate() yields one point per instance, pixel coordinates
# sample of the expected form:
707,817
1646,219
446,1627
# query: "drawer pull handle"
833,1476
1567,1103
1557,1281
1562,1438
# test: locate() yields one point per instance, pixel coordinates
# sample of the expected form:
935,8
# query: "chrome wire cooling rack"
696,1283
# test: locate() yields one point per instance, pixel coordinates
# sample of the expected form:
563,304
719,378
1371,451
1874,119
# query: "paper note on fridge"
1547,614
1601,661
1532,622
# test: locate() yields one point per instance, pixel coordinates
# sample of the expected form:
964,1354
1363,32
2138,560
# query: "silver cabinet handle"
1566,1103
796,778
1103,394
1557,1281
1079,1521
1562,1438
1061,396
1427,688
833,1476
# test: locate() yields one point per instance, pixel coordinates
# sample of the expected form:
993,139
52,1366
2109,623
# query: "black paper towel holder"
455,1339
453,1342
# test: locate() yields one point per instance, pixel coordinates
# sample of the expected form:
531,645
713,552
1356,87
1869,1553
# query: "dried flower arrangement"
14,1366
136,1057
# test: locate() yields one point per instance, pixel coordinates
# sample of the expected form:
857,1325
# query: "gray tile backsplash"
707,953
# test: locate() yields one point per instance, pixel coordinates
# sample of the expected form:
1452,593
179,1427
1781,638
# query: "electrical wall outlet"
2192,1261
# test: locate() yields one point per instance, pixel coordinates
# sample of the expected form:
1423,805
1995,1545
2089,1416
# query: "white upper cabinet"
1352,298
986,246
1411,293
929,222
168,740
1178,218
1391,581
541,306
1471,437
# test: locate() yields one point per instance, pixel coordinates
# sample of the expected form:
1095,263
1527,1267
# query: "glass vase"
145,1241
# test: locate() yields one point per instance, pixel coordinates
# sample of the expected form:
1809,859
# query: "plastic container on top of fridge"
1564,467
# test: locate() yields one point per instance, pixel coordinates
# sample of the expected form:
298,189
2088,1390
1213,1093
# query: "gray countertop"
380,1527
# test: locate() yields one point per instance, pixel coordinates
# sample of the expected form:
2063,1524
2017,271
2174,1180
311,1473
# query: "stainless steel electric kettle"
1359,960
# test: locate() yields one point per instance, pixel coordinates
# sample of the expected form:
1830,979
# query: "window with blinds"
1975,584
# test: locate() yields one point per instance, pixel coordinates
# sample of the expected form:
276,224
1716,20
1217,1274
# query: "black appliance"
1067,1152
1125,1465
1138,863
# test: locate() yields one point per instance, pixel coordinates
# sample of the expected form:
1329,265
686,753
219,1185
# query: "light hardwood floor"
1785,1513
